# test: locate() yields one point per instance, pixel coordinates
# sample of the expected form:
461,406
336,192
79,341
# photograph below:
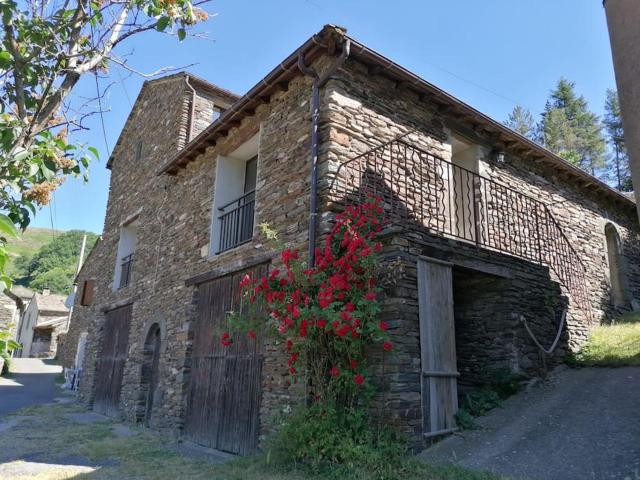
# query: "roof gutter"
318,82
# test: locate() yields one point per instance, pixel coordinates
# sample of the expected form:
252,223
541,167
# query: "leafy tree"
571,130
54,266
47,46
619,160
521,120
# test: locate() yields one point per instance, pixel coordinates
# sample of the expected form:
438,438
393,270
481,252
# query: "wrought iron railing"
421,190
126,267
236,221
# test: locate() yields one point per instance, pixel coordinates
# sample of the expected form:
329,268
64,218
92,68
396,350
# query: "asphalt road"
31,382
582,424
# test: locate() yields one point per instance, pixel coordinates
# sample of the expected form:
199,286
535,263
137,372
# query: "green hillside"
29,243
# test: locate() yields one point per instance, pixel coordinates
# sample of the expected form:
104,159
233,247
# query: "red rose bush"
325,316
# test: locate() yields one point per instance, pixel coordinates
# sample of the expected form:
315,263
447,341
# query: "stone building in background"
12,305
44,318
493,244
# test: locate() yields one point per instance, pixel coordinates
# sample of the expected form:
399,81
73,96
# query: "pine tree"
521,121
618,165
571,130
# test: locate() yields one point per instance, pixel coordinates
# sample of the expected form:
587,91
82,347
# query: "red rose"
292,370
370,296
383,326
388,346
251,334
353,364
226,339
334,372
358,379
246,280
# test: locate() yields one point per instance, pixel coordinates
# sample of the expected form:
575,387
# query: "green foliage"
497,386
571,130
7,345
521,120
614,345
618,161
46,49
319,438
54,265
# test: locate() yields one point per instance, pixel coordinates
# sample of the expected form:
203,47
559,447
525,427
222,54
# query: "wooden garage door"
113,354
223,401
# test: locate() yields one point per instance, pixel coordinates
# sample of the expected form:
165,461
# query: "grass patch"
48,435
613,345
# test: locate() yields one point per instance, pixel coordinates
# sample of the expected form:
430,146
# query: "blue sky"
491,54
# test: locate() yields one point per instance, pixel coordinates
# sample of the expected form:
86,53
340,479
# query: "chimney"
46,291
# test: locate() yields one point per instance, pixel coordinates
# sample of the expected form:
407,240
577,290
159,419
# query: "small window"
126,251
139,151
88,291
215,114
234,197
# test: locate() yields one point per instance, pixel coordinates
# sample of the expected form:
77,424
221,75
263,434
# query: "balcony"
235,221
422,191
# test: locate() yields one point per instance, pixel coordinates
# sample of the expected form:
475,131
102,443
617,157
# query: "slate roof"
50,303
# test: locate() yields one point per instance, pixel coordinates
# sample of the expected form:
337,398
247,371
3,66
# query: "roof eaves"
271,82
231,116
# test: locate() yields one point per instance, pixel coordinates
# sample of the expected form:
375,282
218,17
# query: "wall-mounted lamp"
499,156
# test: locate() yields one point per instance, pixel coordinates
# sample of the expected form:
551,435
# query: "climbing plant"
326,316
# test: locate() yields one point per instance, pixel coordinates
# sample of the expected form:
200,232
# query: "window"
215,114
88,291
139,151
460,185
125,257
616,266
234,197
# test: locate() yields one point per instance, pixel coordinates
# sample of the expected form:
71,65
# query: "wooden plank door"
225,389
437,347
113,355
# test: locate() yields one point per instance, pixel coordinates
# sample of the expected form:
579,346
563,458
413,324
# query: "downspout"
192,111
318,82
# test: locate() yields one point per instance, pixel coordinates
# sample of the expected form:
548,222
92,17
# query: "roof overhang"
329,40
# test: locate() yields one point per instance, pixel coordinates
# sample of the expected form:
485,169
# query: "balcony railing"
423,191
236,221
126,267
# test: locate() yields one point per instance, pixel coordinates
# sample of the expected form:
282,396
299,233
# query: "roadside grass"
613,345
46,434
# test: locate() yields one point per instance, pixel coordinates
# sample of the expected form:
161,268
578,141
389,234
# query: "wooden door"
225,389
115,343
437,347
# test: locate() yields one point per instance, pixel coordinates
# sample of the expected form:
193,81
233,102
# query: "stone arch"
617,266
153,345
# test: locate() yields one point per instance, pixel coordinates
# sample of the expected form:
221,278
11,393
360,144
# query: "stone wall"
360,114
174,217
359,111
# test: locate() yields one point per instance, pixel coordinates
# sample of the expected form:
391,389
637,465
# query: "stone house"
45,317
12,305
493,243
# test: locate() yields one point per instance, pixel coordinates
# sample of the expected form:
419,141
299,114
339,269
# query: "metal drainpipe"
318,82
193,110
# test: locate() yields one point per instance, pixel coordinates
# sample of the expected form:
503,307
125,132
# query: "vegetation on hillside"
613,345
54,265
27,245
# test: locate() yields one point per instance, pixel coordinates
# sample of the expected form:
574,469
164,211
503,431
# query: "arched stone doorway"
149,373
616,266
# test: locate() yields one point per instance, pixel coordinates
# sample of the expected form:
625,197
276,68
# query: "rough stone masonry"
362,106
